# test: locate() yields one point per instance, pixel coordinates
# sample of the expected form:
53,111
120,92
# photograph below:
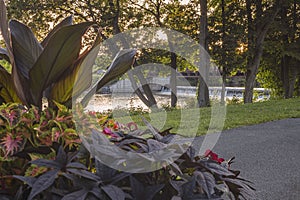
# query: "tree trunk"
285,69
255,55
292,85
222,55
173,80
223,88
285,76
298,85
203,94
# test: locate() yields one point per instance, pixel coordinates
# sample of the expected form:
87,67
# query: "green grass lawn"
198,121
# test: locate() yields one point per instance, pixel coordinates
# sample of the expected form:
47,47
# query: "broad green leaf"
120,65
26,48
60,53
79,79
43,183
66,22
8,92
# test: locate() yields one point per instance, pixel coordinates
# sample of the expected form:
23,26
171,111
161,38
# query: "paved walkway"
268,154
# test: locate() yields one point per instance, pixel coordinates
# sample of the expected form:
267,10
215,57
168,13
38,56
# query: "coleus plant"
24,128
51,68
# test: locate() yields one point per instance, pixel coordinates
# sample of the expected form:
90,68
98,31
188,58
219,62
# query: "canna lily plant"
51,68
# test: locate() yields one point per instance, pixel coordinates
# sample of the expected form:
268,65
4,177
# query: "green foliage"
207,176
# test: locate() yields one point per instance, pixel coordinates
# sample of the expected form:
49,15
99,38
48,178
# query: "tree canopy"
256,39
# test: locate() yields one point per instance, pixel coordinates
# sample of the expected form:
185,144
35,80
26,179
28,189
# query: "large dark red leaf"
76,80
120,65
26,48
60,53
4,28
66,22
5,34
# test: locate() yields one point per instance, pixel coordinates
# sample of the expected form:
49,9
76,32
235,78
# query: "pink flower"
11,144
108,132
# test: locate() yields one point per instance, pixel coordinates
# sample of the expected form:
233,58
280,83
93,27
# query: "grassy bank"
236,116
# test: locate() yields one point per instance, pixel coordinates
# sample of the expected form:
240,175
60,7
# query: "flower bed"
42,156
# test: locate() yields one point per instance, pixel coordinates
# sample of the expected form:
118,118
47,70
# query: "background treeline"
258,38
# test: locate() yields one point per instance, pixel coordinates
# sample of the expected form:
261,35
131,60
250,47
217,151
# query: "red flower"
210,154
116,126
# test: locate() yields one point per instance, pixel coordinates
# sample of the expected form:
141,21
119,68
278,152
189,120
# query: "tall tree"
227,40
257,30
279,69
203,93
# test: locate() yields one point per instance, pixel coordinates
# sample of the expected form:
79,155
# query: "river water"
104,102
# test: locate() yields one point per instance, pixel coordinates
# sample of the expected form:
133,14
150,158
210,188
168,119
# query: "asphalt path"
267,154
